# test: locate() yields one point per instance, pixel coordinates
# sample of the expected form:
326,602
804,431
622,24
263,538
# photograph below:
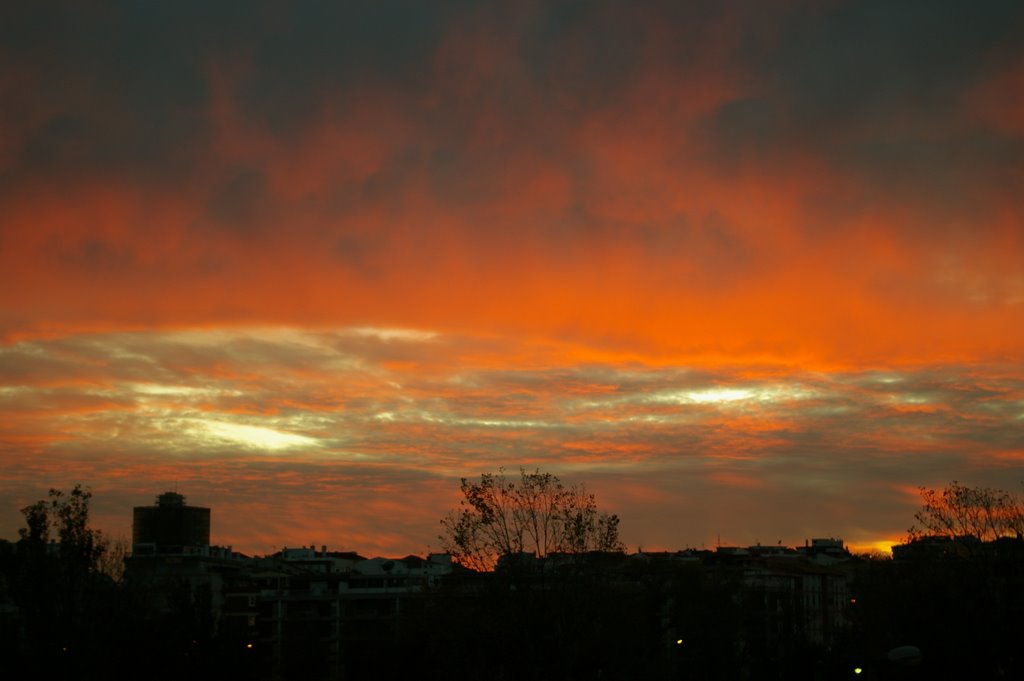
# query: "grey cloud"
946,172
868,59
318,49
243,201
120,89
877,89
580,54
126,91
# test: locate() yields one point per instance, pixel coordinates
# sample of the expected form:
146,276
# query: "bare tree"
536,513
962,511
111,562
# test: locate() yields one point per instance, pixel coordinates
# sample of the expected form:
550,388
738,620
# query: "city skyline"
748,272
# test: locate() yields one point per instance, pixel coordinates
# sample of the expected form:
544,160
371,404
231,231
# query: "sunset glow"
747,272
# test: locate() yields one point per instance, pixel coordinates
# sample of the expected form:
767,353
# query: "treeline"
663,619
599,615
650,619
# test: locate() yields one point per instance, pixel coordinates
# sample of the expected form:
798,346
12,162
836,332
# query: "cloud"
683,239
285,410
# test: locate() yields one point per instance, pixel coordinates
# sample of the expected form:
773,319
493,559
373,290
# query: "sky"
751,272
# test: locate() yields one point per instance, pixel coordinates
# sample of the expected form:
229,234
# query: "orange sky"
754,273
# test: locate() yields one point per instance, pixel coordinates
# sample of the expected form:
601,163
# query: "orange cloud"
651,244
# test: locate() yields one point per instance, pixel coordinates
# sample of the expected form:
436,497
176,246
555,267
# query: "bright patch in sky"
719,395
393,334
256,436
708,396
158,390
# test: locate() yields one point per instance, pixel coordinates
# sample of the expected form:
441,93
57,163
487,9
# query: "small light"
679,641
249,645
857,670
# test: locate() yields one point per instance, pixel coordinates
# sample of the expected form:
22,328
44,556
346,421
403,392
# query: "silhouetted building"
170,527
172,561
328,610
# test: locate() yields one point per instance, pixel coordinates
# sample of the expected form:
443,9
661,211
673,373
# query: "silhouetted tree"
536,513
60,591
80,545
111,561
37,524
962,511
958,602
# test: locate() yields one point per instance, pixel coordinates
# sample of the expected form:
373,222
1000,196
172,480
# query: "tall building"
170,526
